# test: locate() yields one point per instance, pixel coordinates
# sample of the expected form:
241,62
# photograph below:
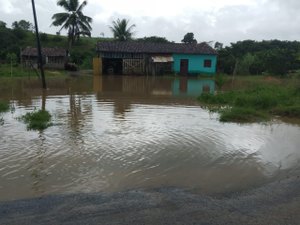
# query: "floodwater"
119,133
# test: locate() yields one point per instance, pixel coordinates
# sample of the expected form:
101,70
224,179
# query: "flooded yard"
121,133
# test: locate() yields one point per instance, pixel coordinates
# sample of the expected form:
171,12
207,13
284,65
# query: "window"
207,63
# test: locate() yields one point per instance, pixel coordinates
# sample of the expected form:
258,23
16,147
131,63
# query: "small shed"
133,57
53,58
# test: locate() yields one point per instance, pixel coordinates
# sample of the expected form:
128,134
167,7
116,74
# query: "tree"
218,46
154,39
121,30
2,25
73,20
189,39
22,25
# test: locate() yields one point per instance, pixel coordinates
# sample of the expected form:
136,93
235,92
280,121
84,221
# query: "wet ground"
140,150
273,204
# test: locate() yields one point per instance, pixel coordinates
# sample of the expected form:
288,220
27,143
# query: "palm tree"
121,31
73,20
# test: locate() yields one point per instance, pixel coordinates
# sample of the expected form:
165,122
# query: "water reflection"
37,168
117,133
153,86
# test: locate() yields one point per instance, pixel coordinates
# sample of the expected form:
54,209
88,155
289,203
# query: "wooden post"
97,66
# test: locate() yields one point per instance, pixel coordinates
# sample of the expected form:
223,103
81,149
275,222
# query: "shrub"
38,120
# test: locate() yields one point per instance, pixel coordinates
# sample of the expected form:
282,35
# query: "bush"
256,103
38,120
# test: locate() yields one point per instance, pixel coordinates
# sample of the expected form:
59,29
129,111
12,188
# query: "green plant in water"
255,103
242,115
38,120
4,106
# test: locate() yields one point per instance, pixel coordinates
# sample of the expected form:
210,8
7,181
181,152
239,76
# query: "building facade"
53,58
155,58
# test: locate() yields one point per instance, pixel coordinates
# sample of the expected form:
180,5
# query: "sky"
224,21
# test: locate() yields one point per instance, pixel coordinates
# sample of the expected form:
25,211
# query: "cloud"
218,20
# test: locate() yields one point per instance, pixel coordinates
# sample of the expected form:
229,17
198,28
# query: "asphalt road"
274,203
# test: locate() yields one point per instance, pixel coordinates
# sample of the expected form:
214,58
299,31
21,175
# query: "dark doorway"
112,66
184,66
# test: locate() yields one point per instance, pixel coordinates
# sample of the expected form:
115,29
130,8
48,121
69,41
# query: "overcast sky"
210,20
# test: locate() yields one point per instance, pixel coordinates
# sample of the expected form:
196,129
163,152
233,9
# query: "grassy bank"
258,99
18,71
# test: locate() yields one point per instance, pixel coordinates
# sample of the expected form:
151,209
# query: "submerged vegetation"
255,103
38,120
4,106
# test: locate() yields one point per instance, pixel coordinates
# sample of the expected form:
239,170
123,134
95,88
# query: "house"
53,58
155,58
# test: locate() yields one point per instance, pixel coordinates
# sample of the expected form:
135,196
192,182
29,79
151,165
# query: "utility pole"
38,46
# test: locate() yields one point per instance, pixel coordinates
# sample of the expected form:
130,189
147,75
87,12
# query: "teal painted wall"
196,63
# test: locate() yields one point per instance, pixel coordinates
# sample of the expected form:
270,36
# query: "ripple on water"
99,146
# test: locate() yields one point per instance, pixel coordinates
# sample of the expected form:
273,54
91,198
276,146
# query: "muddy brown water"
120,133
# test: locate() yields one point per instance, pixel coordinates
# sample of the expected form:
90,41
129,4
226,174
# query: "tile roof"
155,48
29,51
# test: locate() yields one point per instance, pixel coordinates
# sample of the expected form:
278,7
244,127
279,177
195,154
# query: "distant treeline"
252,57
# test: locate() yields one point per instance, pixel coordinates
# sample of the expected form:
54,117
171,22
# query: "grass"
259,102
38,120
243,115
19,71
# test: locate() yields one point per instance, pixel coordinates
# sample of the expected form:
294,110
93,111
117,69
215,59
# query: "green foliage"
219,99
73,19
22,25
220,80
38,120
245,63
218,46
8,43
289,111
11,58
153,39
189,39
256,103
57,38
274,57
4,106
2,25
121,30
242,115
79,56
258,98
43,37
